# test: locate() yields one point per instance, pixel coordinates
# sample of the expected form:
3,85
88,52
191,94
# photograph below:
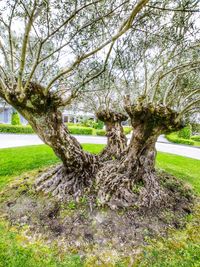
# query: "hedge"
101,132
7,128
80,130
186,132
21,129
196,138
89,123
175,139
72,124
127,130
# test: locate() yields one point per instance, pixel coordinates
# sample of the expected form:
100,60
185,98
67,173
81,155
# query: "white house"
77,116
6,114
68,115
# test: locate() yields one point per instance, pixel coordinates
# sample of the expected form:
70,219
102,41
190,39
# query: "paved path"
16,140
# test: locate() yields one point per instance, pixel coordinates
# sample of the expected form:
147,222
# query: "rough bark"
116,139
133,180
76,173
128,180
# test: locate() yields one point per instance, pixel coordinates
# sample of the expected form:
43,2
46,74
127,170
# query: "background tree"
102,98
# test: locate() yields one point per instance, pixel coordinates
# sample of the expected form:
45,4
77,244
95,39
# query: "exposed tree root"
65,185
89,224
118,187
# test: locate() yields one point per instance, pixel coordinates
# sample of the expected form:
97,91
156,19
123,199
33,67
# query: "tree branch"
24,47
123,29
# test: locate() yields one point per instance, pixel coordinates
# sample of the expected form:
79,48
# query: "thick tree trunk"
78,167
133,180
116,139
126,180
76,172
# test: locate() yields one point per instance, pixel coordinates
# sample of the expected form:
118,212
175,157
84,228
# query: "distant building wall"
5,115
68,116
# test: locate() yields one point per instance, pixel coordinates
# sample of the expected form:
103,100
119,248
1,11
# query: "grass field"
14,161
181,248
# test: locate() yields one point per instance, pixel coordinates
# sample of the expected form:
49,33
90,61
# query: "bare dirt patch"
85,226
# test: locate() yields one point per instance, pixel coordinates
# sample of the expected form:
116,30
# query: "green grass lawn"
181,248
14,161
184,168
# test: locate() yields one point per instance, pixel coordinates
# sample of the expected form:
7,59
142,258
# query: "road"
16,140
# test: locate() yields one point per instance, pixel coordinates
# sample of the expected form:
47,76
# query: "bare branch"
188,106
123,29
24,46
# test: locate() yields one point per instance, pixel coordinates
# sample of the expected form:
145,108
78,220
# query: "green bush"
4,128
80,130
127,129
98,125
15,119
91,123
73,124
87,123
196,138
175,139
186,132
101,132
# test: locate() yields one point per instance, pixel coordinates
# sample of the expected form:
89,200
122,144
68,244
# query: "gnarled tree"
159,95
154,63
39,80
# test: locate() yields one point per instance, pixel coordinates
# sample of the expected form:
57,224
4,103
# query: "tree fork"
119,180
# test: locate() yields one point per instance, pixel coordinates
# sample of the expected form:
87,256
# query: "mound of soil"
84,225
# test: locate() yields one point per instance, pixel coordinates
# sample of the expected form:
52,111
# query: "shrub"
127,129
196,138
73,124
87,123
175,139
91,123
186,132
98,125
101,132
15,119
4,128
80,130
